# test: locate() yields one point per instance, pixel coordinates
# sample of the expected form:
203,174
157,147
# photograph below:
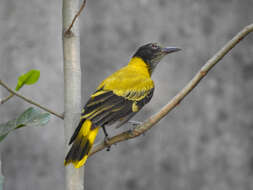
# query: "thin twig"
6,99
138,130
68,31
30,101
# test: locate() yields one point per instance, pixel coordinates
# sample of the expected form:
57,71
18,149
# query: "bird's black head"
152,53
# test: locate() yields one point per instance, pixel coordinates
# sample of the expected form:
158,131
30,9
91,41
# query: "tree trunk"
72,88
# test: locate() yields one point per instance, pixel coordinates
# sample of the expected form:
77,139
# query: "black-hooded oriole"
118,98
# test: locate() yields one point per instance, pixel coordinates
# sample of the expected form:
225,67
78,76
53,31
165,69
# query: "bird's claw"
106,141
135,123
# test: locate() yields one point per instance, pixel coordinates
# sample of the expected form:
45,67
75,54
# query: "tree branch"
149,123
6,99
29,101
68,31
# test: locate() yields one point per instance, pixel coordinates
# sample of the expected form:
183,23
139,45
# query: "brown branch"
30,101
6,99
140,129
68,31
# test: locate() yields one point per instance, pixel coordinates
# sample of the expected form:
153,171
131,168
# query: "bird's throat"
140,65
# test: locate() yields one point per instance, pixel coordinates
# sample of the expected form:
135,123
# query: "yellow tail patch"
91,138
82,145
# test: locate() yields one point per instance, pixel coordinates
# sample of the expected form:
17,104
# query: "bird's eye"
154,46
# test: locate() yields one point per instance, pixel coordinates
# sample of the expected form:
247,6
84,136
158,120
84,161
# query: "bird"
116,100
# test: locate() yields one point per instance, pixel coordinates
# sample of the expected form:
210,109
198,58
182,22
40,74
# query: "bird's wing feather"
118,96
129,83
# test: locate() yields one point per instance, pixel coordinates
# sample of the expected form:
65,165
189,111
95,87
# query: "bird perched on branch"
118,98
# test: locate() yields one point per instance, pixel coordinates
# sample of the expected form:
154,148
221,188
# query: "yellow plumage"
118,98
85,137
132,82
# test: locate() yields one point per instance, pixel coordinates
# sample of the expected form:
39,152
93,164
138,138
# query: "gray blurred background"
204,144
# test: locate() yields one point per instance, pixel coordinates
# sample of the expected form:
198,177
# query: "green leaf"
26,116
28,78
2,137
30,117
5,128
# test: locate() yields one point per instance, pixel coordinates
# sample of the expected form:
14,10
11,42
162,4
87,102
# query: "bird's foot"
135,123
106,141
